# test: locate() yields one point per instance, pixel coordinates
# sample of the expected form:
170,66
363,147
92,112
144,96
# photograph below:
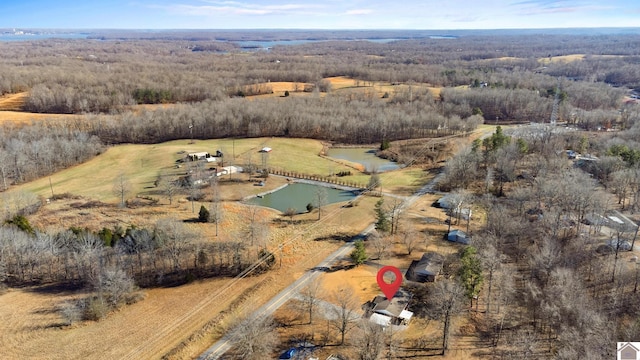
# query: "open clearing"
13,102
11,111
575,57
141,164
346,85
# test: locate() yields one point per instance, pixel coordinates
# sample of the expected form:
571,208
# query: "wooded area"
539,279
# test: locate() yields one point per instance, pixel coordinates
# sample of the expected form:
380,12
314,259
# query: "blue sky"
318,14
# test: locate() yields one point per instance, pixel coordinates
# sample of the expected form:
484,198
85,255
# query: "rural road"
223,345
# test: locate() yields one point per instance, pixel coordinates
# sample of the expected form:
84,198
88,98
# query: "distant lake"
263,45
30,37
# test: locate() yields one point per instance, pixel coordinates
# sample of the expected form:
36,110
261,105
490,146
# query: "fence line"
327,179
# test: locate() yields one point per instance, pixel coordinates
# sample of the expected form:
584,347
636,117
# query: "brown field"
344,85
200,312
166,317
11,111
575,57
13,102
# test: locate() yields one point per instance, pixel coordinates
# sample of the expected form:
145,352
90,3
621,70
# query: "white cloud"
240,8
359,12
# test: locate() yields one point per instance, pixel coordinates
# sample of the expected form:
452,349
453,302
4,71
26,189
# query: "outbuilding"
458,236
426,269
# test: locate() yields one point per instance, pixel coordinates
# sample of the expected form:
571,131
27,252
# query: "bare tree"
113,285
168,186
380,243
344,311
4,166
446,302
321,199
70,312
369,340
121,188
255,228
253,338
410,239
395,213
217,210
491,260
310,297
174,238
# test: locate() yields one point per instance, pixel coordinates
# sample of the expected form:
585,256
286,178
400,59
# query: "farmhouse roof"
393,308
429,264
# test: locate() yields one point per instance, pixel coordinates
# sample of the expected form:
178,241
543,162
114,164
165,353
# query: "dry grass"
19,117
345,85
13,102
141,164
11,111
575,57
160,323
563,58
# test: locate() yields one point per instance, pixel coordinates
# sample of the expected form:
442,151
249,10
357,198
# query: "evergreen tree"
470,272
382,221
359,254
204,215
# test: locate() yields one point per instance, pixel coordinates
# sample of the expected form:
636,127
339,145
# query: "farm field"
344,85
166,317
153,332
141,164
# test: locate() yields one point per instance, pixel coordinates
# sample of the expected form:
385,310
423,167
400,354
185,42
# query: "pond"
298,195
366,157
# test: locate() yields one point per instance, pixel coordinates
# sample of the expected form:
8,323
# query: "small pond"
298,195
366,157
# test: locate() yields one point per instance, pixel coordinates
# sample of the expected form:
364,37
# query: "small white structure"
265,149
229,170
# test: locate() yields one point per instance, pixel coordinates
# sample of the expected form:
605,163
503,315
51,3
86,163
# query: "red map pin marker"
389,290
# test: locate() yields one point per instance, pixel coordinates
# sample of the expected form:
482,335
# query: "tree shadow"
61,288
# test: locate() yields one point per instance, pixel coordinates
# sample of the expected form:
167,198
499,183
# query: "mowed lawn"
141,164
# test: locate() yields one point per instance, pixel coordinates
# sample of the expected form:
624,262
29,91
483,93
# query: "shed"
458,236
199,155
265,149
426,269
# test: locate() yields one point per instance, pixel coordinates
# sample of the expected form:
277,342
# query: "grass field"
11,111
13,102
141,164
346,85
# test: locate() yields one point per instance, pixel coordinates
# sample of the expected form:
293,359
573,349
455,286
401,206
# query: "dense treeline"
169,253
76,76
32,152
358,121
